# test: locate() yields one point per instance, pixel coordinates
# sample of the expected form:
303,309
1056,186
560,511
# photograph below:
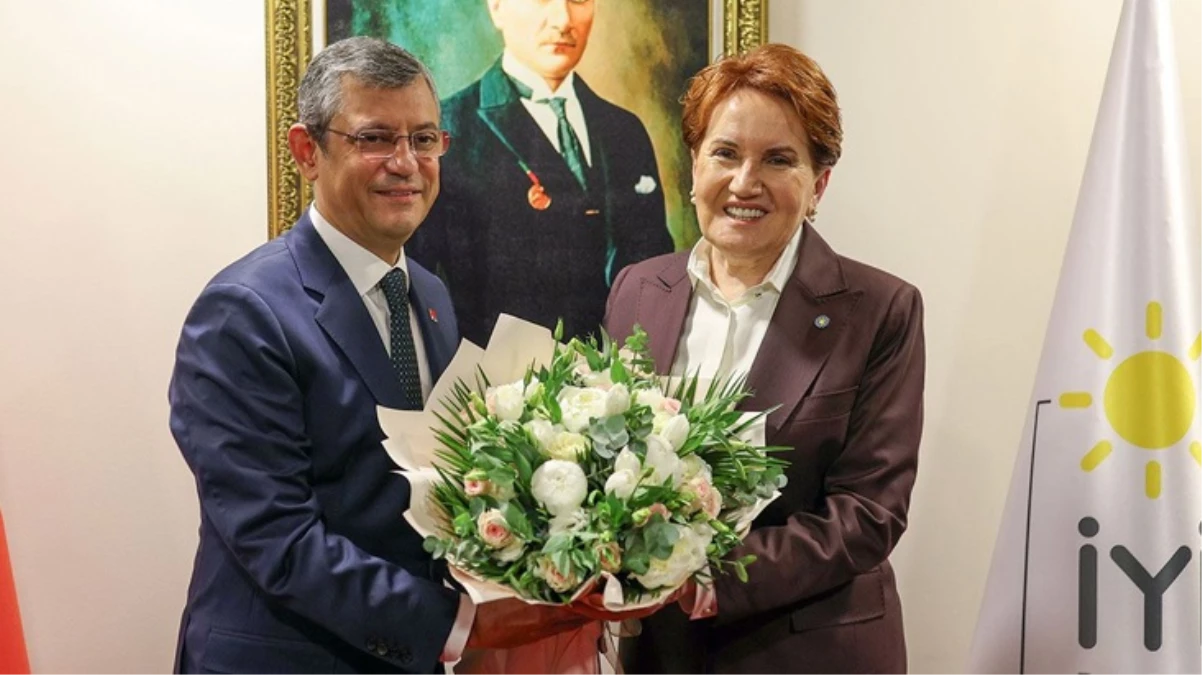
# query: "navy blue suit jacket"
305,563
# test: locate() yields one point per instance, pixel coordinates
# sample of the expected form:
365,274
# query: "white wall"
133,168
966,130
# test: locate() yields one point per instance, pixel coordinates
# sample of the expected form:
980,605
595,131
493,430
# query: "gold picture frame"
290,47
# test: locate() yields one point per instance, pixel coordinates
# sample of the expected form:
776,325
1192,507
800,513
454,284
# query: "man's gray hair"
374,63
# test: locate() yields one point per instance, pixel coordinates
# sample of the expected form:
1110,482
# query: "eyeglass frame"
357,138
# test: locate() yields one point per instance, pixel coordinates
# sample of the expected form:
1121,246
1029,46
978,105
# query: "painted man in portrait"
548,189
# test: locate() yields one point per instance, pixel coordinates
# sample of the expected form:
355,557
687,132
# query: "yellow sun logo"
1150,400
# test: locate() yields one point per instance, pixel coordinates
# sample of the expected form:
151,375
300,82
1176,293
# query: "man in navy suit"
305,563
549,189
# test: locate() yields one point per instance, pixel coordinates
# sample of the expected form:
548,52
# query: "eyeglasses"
379,144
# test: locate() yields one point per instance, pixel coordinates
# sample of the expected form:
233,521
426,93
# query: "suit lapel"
341,314
599,173
502,112
663,306
799,340
424,299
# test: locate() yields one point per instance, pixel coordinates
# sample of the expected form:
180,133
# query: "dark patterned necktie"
569,142
404,353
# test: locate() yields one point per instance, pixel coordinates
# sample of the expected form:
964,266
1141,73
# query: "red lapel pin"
433,315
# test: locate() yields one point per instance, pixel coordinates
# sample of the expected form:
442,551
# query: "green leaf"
638,562
660,537
517,521
617,372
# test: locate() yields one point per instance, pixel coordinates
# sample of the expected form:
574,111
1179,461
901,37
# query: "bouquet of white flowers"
591,475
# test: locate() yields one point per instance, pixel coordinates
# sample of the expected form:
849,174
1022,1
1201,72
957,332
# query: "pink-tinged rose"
557,580
660,509
670,406
610,555
493,529
706,497
476,488
712,503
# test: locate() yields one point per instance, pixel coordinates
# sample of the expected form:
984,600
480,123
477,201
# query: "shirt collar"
520,72
777,277
364,268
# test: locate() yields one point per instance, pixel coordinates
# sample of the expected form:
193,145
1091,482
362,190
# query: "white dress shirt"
542,113
366,270
722,337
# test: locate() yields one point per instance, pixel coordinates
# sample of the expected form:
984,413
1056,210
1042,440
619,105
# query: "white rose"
493,529
507,401
674,429
663,462
567,446
572,521
652,398
580,405
695,466
512,552
687,557
621,484
598,379
617,400
543,432
559,486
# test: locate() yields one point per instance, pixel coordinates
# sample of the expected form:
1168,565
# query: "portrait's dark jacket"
500,255
305,563
849,387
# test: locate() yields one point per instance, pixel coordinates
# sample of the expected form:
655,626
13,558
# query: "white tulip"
674,429
617,400
663,461
621,484
627,461
543,432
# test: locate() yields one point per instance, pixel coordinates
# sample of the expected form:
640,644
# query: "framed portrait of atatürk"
566,161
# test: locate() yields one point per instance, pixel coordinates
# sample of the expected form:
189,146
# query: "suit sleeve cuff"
460,631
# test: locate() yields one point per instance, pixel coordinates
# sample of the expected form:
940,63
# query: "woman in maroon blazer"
833,346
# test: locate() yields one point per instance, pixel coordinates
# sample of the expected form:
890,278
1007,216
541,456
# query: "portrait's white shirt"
366,270
542,113
722,337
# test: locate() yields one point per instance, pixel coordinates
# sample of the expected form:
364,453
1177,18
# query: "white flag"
1096,567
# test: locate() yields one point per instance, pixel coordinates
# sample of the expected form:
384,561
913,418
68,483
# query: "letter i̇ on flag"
1096,567
13,658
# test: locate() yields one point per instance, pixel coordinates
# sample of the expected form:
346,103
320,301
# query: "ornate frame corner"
745,25
289,48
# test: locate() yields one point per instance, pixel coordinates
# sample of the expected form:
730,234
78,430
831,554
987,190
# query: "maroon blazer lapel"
815,308
663,305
